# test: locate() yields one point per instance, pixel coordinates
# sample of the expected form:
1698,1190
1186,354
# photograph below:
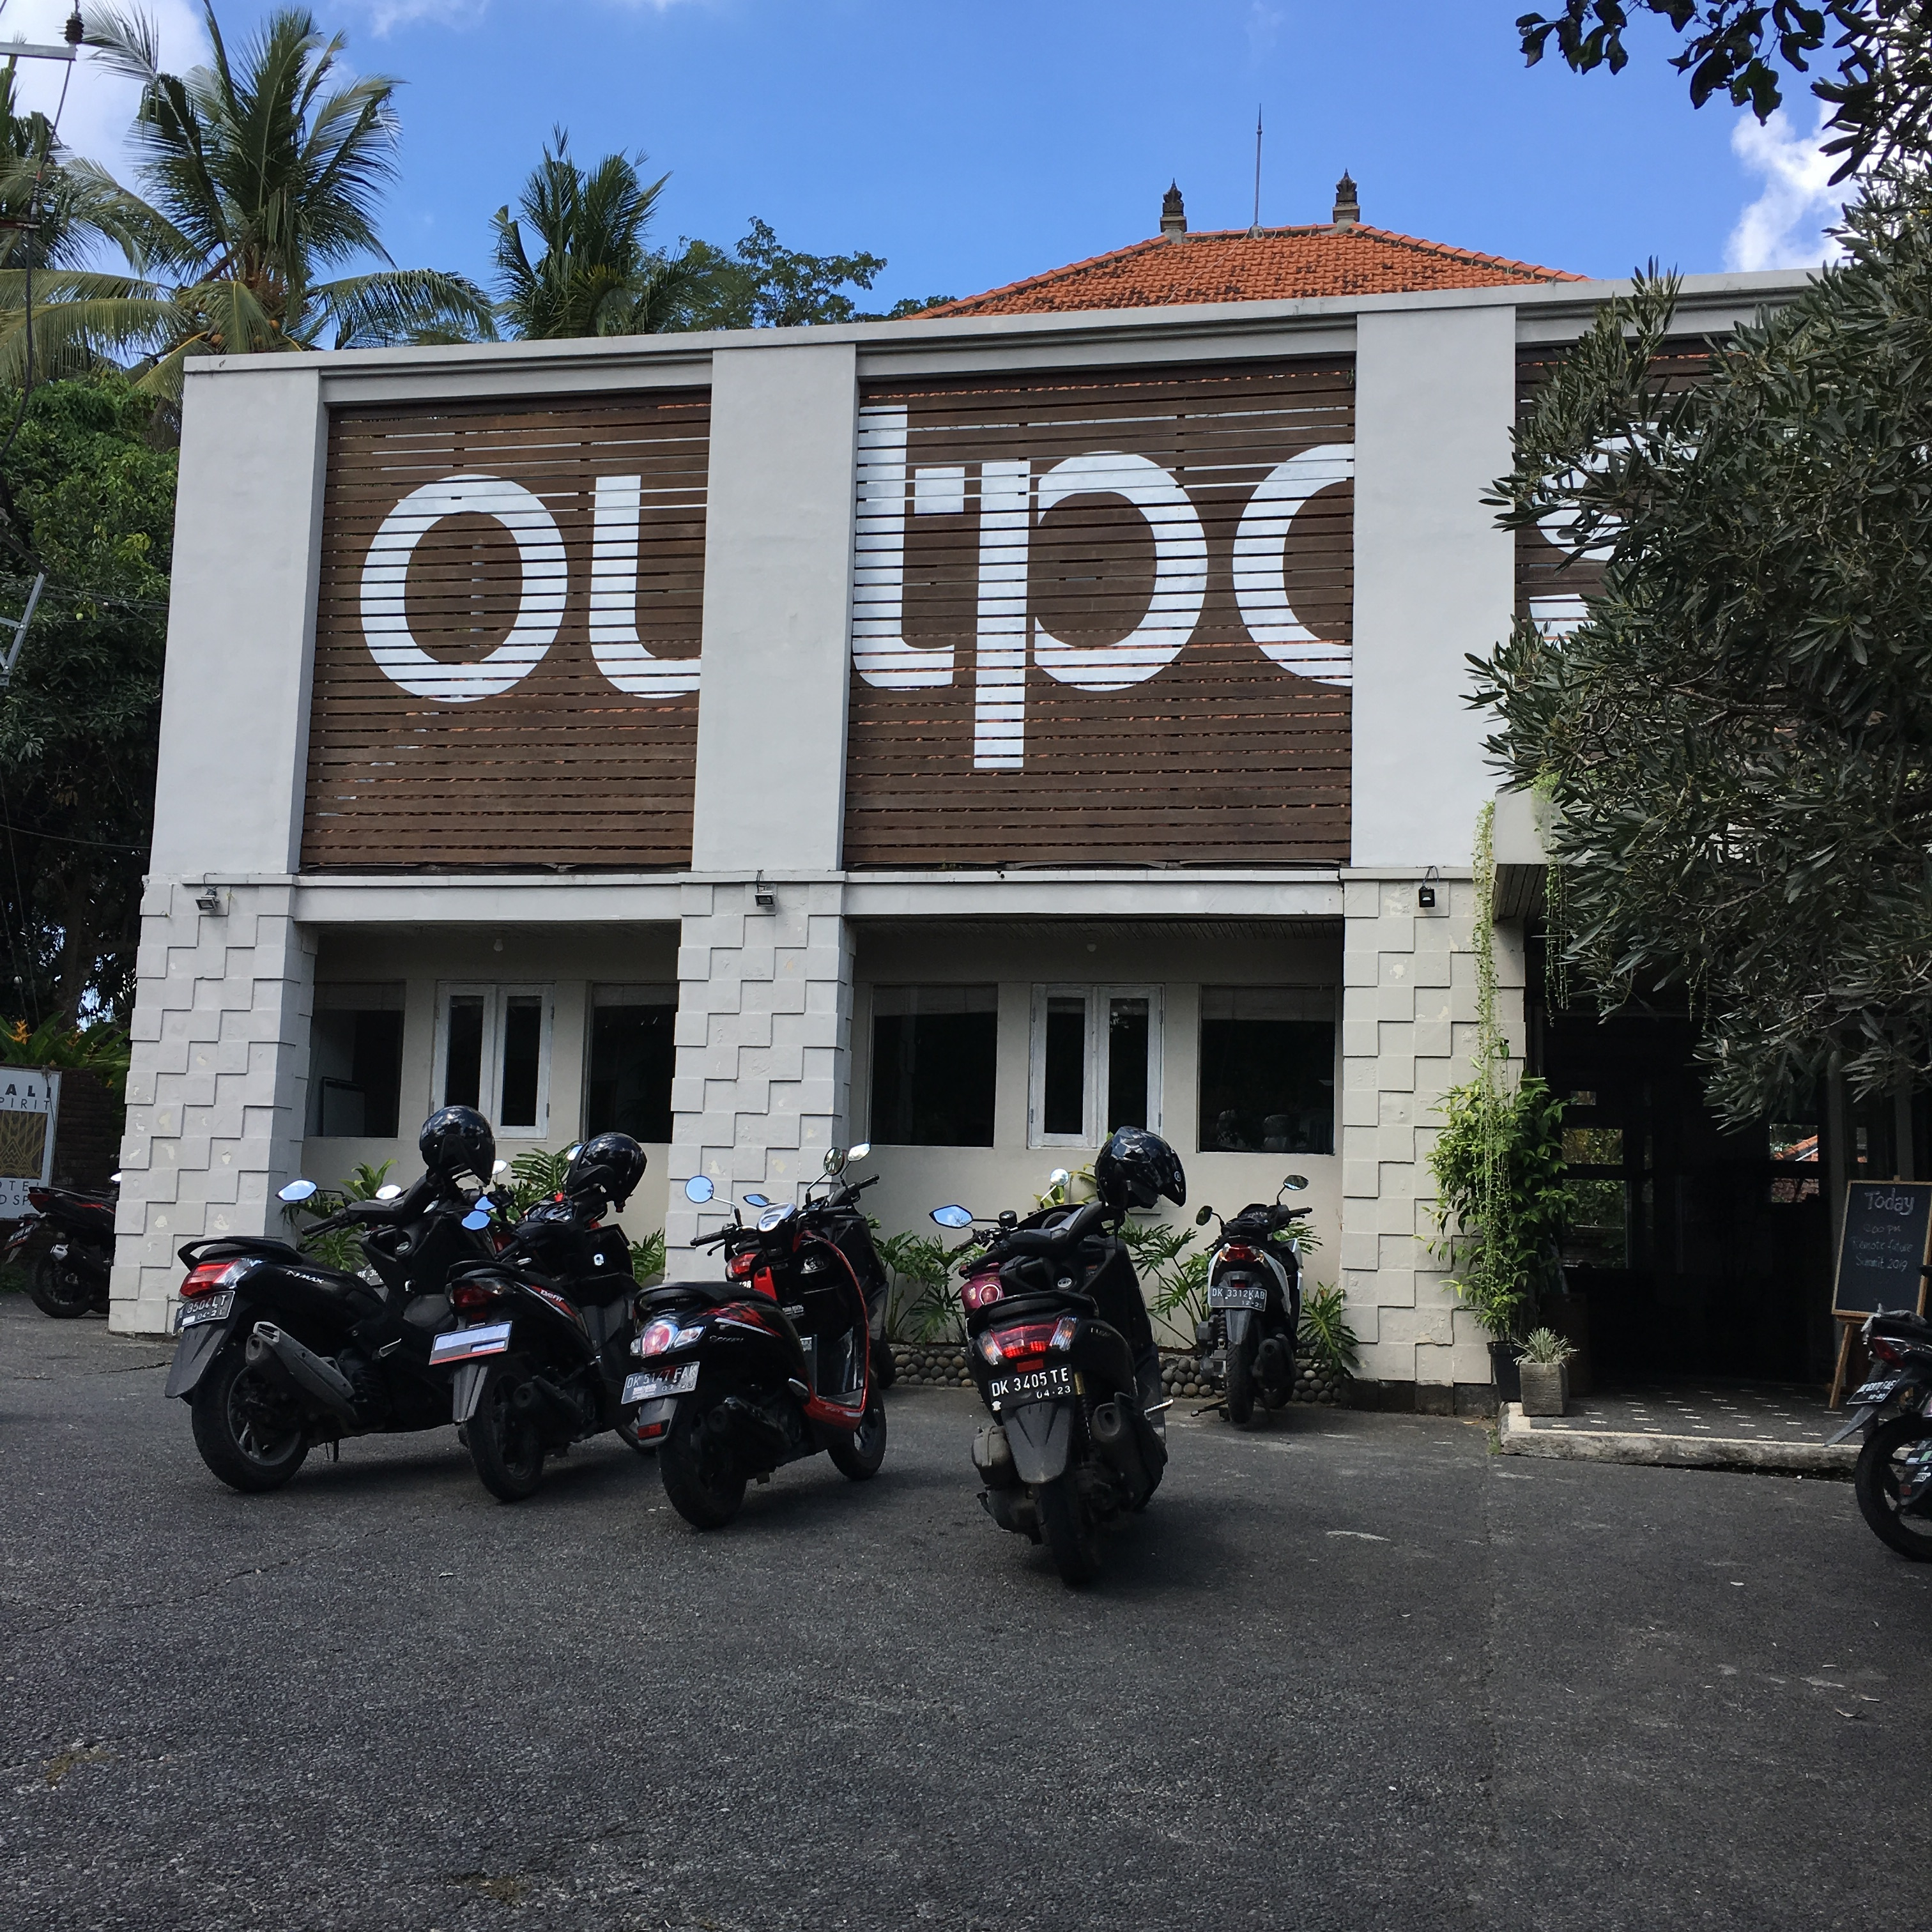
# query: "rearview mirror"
1206,1215
1060,1177
835,1160
571,1153
297,1190
476,1219
390,1191
699,1188
859,1152
1294,1182
502,1167
953,1216
756,1200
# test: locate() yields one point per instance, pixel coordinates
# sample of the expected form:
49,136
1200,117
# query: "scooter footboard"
1040,1435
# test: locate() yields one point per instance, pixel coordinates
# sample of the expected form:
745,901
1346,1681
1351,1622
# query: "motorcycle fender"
466,1388
198,1346
1041,1437
1859,1417
1240,1326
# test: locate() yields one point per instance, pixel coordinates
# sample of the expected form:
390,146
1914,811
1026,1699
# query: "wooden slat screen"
563,767
1220,756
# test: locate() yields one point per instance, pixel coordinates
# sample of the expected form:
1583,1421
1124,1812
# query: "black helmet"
457,1140
607,1167
1135,1168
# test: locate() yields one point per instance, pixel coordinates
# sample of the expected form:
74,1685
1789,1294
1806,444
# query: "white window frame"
490,1097
1094,1081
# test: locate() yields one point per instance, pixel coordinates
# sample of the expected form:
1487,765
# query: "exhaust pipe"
1120,1439
269,1346
539,1393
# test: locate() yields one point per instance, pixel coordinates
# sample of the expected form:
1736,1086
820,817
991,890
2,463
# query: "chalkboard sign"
1887,1239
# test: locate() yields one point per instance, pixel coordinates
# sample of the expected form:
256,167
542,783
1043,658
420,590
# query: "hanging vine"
1555,901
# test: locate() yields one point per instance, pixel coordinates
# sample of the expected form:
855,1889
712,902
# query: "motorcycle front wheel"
249,1428
56,1290
860,1454
1072,1537
504,1444
1241,1384
704,1484
1890,1467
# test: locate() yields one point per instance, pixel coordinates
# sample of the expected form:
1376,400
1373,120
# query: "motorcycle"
776,1364
548,1323
279,1352
1893,1480
1072,1446
71,1274
1254,1301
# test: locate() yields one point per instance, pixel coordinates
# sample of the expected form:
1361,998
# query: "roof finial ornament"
1347,209
1173,213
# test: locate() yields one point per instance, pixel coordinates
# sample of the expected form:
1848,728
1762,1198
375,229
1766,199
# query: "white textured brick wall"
764,1045
1408,1024
216,1091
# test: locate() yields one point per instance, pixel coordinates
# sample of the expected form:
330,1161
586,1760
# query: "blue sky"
972,144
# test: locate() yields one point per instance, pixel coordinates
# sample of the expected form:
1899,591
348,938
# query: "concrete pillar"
1408,1028
764,1046
217,1092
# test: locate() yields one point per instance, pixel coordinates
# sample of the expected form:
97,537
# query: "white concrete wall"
777,576
1434,579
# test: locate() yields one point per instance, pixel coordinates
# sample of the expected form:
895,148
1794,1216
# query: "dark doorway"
1702,1252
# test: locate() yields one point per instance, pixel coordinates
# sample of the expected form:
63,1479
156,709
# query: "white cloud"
385,16
100,106
1785,227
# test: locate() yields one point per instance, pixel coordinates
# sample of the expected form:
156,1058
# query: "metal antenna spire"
1256,229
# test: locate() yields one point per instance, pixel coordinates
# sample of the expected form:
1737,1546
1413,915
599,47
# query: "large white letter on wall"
540,602
1261,561
1179,571
880,652
618,507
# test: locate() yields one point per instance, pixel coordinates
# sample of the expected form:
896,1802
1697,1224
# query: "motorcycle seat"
685,1293
428,1311
1900,1325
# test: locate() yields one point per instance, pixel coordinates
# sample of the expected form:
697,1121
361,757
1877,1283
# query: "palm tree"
595,275
257,175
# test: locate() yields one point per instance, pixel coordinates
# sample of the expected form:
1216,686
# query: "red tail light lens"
739,1266
1235,1252
982,1290
1883,1346
470,1297
1022,1343
212,1275
39,1200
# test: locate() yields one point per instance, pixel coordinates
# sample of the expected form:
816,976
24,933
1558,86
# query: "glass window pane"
376,1069
632,1054
1064,1101
523,1047
934,1051
462,1054
1126,1063
1267,1082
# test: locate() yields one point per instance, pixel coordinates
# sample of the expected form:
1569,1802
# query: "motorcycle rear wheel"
860,1454
506,1448
1877,1483
1241,1384
249,1431
56,1290
700,1479
1072,1536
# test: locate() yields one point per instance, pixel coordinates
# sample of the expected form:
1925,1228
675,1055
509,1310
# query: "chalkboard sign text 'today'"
1884,1247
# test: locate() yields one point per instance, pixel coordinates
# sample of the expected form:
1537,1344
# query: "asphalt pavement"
1349,1670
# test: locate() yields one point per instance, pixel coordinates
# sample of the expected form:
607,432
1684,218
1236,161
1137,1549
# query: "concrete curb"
1672,1452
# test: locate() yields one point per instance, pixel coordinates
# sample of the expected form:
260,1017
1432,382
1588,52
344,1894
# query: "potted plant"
1543,1364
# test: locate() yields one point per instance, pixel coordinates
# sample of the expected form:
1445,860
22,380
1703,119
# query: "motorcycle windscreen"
1041,1437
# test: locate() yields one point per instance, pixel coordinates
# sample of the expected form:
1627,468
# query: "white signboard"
29,1103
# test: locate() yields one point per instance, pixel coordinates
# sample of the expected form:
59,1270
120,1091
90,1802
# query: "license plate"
1236,1294
1872,1392
1022,1386
465,1345
214,1307
646,1388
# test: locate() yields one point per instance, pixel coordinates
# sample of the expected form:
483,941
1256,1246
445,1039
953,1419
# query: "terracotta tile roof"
1277,264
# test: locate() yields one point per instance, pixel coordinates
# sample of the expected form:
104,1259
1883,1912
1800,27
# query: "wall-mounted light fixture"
1425,893
762,895
209,899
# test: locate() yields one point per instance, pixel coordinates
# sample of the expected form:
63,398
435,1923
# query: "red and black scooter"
74,1231
775,1364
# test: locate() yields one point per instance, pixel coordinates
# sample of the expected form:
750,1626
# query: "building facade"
963,734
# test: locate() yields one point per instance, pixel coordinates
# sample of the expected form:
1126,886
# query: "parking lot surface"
1347,1671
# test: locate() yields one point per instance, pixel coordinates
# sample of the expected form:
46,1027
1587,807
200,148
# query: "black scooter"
1254,1302
279,1352
775,1364
541,1360
76,1231
1893,1480
1071,1447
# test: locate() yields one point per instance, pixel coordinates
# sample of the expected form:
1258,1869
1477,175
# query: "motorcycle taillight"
470,1297
982,1291
39,1199
1235,1252
1020,1343
1886,1350
739,1266
212,1275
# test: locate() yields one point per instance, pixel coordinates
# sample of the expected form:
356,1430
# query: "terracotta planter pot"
1545,1388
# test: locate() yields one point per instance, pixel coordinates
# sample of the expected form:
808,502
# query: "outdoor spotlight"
209,899
762,895
1425,898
